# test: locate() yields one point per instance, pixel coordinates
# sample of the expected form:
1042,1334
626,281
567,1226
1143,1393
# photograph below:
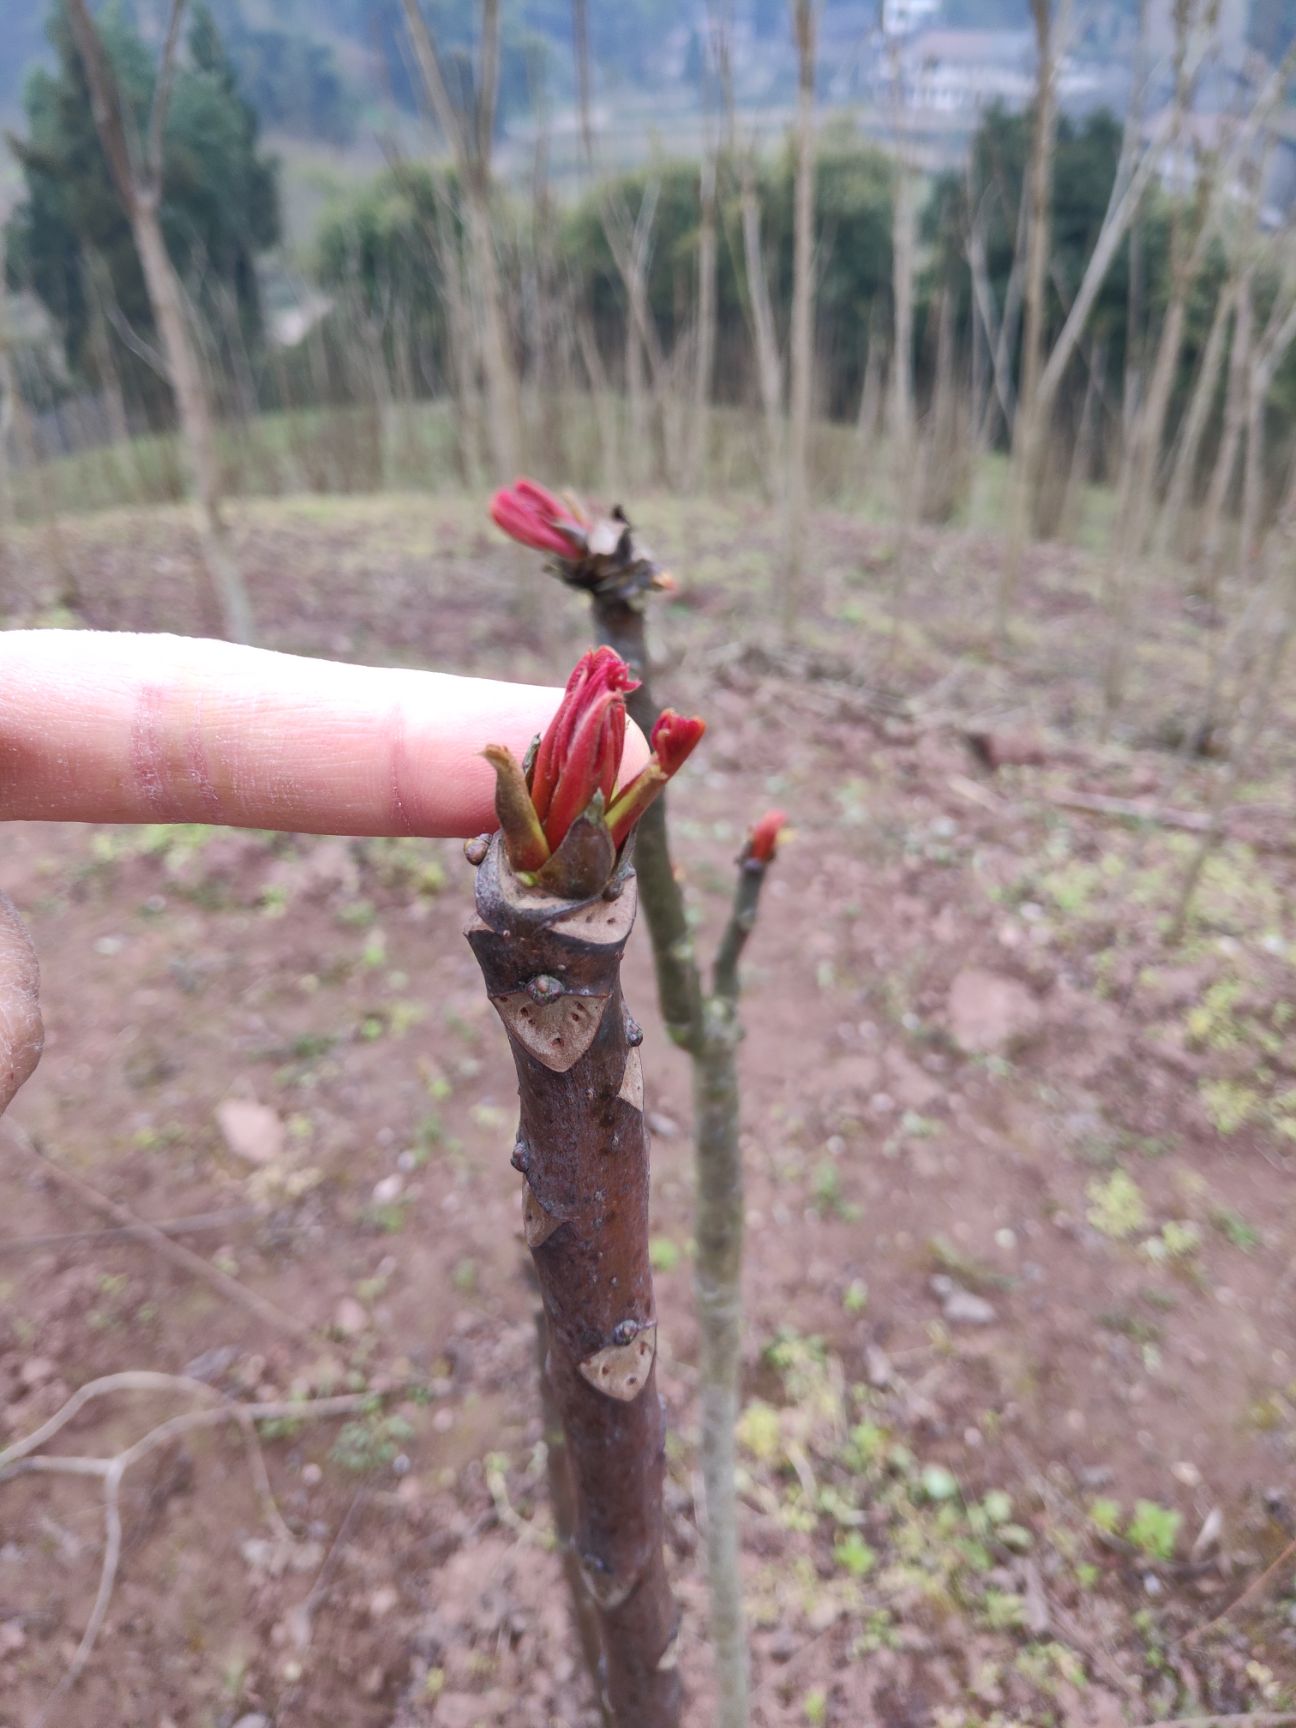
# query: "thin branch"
195,1224
1252,1719
17,1460
434,84
324,1577
1189,821
631,249
742,921
488,71
181,1257
162,97
1276,339
129,1380
142,350
1255,1588
983,294
581,49
103,1597
1007,337
1120,212
105,100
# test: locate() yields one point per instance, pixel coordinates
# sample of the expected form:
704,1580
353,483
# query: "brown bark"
900,415
552,970
463,372
550,319
562,1505
704,1023
940,468
637,404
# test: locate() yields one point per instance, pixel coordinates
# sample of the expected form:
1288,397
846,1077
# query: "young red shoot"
596,552
674,738
565,825
763,840
535,518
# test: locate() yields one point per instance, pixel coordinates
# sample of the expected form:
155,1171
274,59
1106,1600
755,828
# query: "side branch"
620,624
433,75
742,921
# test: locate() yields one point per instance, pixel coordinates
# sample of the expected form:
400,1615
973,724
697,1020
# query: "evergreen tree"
69,239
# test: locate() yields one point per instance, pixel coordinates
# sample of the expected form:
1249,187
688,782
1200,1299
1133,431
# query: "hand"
118,728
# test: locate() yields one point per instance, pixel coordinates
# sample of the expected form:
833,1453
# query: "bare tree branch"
488,68
175,1252
18,1459
581,49
983,294
434,84
162,96
105,101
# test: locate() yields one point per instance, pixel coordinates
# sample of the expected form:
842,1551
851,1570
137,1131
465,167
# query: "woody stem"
552,971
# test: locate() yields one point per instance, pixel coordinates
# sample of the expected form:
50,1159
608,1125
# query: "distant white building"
950,71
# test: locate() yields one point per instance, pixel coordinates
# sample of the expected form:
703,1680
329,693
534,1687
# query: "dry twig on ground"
25,1457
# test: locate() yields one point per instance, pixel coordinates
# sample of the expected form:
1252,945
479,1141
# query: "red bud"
529,514
589,763
762,842
674,738
601,672
576,764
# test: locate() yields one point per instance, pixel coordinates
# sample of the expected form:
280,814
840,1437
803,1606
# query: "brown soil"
973,1055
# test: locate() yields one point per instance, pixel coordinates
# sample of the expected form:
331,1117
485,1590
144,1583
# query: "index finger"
121,728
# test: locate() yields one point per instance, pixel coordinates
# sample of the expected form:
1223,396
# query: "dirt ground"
1020,1404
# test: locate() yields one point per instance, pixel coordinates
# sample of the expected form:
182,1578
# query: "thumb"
21,1032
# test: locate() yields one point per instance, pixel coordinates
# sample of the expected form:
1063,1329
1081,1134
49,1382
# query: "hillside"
313,66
